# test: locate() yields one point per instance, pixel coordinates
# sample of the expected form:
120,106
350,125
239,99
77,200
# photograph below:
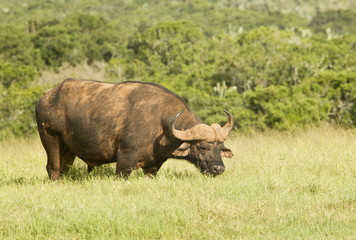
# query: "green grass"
277,186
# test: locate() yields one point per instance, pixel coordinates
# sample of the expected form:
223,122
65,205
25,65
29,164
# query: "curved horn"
173,120
198,132
228,126
223,132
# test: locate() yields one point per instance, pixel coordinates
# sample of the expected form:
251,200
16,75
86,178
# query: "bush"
282,108
339,21
338,91
78,38
17,107
58,45
16,47
20,77
18,96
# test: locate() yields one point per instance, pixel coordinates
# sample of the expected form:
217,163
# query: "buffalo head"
203,145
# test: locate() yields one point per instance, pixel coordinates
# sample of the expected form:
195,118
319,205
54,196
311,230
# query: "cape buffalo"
135,124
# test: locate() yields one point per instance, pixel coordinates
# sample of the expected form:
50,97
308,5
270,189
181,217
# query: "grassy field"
277,186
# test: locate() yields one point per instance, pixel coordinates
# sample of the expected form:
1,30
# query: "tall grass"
297,185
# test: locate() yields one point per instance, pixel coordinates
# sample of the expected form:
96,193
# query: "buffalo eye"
202,151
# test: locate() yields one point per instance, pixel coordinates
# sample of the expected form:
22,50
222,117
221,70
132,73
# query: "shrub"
58,45
339,21
78,38
18,96
17,108
16,47
338,91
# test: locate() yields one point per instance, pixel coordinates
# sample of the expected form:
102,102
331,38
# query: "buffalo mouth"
214,170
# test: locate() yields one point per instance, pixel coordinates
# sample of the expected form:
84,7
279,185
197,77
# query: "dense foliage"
271,69
17,99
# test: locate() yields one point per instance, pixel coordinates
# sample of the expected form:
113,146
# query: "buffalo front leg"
152,171
90,168
126,162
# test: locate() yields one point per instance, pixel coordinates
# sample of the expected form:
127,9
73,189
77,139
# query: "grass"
297,185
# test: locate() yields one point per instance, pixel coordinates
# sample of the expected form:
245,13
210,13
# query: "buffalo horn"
198,132
228,126
223,132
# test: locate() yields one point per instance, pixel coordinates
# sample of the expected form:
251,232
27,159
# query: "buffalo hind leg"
67,159
52,146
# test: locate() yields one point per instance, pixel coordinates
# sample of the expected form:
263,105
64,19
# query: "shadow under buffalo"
80,173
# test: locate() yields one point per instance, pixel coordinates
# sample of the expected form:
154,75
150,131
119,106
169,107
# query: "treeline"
269,69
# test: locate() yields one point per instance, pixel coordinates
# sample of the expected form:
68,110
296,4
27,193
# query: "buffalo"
135,124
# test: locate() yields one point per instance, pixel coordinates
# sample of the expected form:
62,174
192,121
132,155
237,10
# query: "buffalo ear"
226,153
182,151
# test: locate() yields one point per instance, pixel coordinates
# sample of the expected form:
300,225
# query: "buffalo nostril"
219,169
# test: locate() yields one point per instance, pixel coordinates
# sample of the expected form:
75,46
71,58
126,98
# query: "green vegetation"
273,64
17,100
277,186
